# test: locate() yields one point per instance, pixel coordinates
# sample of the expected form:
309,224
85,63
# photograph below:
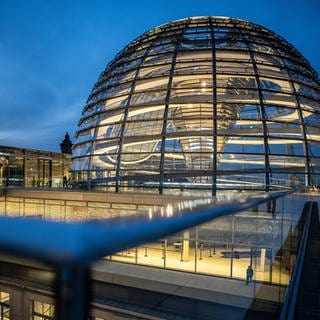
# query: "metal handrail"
59,243
289,305
71,247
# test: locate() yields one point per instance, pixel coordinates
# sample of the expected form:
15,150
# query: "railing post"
72,292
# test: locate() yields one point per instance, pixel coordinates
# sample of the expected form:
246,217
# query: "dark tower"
66,144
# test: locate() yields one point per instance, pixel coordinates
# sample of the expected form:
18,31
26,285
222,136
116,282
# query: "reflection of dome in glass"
202,103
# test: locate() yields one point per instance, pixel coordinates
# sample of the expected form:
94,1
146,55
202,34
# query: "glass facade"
265,237
33,168
203,103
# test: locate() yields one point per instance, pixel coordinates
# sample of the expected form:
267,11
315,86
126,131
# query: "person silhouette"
65,182
249,275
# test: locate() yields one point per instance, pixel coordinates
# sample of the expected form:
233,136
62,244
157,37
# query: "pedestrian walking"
249,275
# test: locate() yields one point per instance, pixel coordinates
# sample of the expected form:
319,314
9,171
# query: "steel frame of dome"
209,103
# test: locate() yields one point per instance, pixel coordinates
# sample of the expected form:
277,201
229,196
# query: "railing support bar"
72,292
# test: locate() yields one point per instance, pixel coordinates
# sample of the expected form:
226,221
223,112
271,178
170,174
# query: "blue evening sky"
52,52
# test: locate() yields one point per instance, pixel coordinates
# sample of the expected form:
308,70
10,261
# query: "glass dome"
203,103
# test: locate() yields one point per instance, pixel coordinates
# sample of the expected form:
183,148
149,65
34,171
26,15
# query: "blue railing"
71,248
289,306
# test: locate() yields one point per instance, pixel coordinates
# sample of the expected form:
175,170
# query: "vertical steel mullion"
263,118
232,244
308,168
23,207
24,168
165,245
50,173
125,116
62,170
166,110
302,128
214,110
7,171
94,142
196,250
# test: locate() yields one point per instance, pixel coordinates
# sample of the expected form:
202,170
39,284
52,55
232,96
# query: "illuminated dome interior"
203,103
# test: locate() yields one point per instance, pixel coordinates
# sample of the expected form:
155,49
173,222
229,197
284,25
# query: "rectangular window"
4,306
42,311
